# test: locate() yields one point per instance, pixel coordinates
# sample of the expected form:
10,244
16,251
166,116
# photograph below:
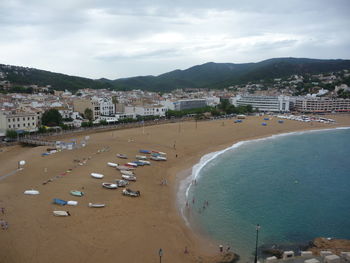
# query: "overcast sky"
117,38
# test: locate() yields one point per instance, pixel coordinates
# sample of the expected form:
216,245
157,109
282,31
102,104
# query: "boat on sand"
96,205
127,172
97,176
31,192
110,185
129,177
131,193
112,164
122,156
121,183
124,167
77,193
61,213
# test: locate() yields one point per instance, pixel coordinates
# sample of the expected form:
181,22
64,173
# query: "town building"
321,105
263,103
99,106
19,120
147,110
187,104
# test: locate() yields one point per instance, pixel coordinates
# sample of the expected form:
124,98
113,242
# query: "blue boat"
139,163
266,119
280,121
263,124
145,151
59,201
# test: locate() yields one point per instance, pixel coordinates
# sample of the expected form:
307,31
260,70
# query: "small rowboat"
145,151
139,163
121,183
132,164
131,193
73,203
158,158
31,192
77,193
110,186
129,177
96,205
122,156
126,172
112,164
61,213
124,167
97,176
141,157
145,162
59,201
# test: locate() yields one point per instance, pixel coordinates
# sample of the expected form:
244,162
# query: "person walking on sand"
221,248
3,210
186,250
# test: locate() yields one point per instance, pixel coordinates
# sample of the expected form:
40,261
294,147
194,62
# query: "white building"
99,106
117,117
187,104
18,120
263,103
147,110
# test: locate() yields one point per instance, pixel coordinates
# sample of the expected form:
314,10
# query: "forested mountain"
208,75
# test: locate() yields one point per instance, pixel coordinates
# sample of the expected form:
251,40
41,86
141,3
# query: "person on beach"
221,248
186,250
3,210
228,249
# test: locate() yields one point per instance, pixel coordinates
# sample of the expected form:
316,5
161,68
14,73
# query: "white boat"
73,203
96,205
110,185
158,158
124,167
122,156
145,162
127,172
129,177
112,164
97,176
61,213
131,193
121,183
132,164
141,157
31,192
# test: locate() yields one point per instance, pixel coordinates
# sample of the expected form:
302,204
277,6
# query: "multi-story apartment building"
317,105
187,104
263,103
99,106
19,120
147,110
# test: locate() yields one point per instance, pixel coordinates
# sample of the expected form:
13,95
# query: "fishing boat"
96,205
110,186
77,193
133,164
114,165
31,192
141,157
131,193
122,156
126,172
121,183
145,151
97,176
72,203
59,201
158,158
139,163
160,153
145,162
129,177
61,213
124,167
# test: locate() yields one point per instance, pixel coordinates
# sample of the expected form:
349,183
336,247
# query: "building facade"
190,104
320,105
147,110
263,103
19,120
99,106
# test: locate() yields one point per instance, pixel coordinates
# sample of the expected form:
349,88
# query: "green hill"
208,75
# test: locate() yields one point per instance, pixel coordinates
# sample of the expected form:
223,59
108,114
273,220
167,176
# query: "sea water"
296,186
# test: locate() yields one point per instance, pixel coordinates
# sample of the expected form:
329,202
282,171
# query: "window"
33,123
9,126
24,118
32,118
18,125
17,119
24,125
28,118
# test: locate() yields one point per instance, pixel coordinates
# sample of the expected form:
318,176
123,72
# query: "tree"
103,122
51,118
88,114
12,134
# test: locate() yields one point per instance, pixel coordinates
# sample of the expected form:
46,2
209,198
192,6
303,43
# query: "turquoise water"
297,187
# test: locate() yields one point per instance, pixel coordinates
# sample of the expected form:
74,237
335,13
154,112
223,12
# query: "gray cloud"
115,39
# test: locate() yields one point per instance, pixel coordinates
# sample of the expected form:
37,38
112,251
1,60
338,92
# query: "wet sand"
127,229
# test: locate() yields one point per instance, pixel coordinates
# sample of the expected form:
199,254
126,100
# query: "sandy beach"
127,229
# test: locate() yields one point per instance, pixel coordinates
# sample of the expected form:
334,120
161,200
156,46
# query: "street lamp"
160,255
256,243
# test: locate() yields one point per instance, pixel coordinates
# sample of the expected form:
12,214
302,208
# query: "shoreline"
191,175
128,225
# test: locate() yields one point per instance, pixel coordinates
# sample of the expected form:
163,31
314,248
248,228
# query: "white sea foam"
185,184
